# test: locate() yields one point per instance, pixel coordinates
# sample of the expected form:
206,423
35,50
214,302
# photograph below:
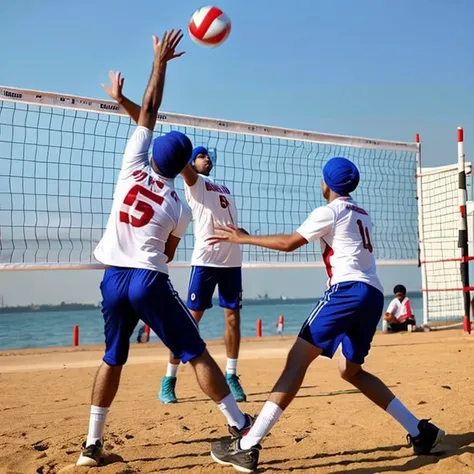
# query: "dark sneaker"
167,390
91,455
228,453
233,382
236,433
430,435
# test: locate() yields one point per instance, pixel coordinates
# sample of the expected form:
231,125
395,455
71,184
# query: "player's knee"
113,368
117,354
116,360
194,351
295,363
232,319
197,315
202,357
301,355
349,373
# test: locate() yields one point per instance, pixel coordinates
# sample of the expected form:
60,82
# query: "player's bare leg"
370,385
232,344
232,332
210,377
106,384
243,454
167,393
300,357
214,385
422,434
105,388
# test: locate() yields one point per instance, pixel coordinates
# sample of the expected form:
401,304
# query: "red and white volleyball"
209,26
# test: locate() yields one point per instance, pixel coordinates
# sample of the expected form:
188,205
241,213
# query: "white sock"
404,416
231,367
269,415
228,406
96,424
172,370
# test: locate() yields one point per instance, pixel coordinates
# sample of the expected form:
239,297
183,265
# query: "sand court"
330,427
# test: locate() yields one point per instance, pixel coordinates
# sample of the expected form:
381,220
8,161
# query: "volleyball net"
60,157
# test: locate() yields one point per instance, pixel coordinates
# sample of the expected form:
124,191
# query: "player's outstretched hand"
115,89
165,49
228,233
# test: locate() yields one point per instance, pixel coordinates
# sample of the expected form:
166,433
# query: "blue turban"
171,153
341,176
197,151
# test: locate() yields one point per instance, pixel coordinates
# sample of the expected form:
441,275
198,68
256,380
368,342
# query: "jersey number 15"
140,206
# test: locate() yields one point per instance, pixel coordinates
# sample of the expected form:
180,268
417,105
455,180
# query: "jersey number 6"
364,233
224,201
140,206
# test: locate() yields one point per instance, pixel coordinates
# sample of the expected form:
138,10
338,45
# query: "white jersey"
212,204
345,233
145,211
400,309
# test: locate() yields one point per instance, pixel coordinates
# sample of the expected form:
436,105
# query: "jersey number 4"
364,233
140,206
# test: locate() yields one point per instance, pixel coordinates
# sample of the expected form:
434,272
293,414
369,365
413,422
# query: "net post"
463,237
421,248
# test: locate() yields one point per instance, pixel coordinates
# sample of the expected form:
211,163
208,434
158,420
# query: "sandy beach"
330,427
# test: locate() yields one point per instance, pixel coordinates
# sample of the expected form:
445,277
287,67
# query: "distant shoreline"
87,307
37,308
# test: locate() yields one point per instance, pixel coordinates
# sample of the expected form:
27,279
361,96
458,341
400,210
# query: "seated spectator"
399,315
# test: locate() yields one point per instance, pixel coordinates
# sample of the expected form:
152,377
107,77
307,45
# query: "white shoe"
91,455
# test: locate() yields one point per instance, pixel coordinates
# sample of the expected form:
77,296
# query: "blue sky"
372,68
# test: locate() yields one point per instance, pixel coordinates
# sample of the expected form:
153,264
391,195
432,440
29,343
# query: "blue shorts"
348,313
132,294
203,281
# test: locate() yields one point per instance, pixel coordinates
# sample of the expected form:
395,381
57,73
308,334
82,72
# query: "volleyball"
209,26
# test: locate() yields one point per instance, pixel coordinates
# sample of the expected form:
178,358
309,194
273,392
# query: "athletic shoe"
236,433
233,382
430,435
167,394
91,455
228,453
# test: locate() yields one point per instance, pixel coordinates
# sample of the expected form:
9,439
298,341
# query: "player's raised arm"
164,52
189,175
115,91
192,170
